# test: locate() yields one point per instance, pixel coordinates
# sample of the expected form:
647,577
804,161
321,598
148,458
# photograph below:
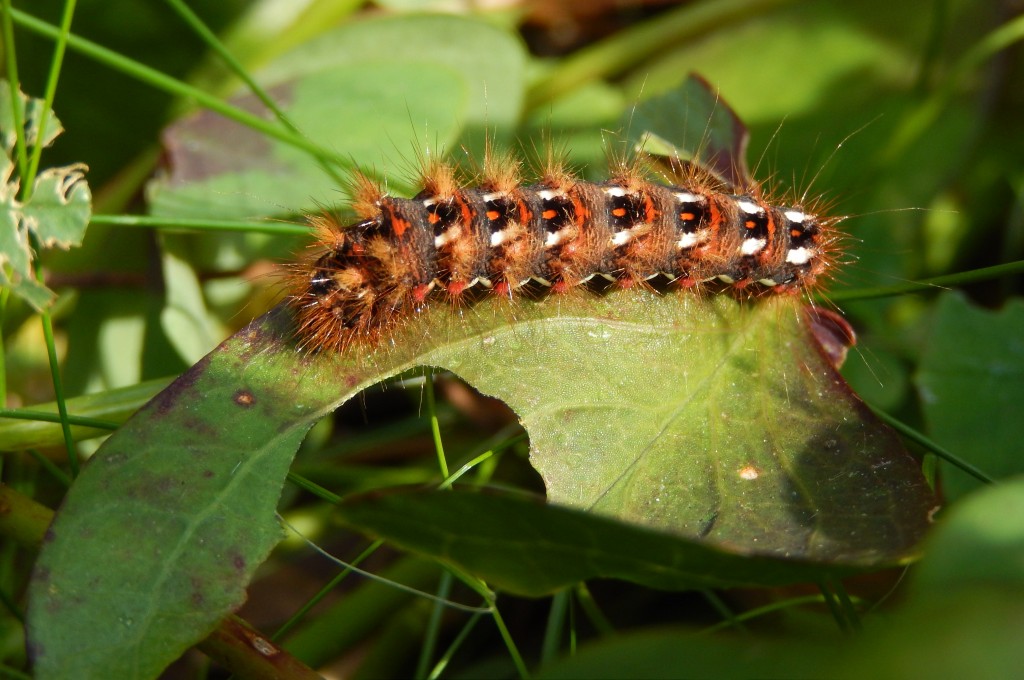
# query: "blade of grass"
162,81
236,67
187,224
915,436
43,416
594,614
435,426
27,186
510,644
32,427
554,627
56,61
300,614
13,83
849,611
433,628
920,120
454,647
833,606
934,284
48,465
762,611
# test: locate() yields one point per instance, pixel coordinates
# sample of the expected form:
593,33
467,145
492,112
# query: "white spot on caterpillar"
752,246
447,236
795,216
767,282
691,240
621,238
615,192
548,194
688,241
494,195
749,207
799,256
498,237
427,202
686,197
555,238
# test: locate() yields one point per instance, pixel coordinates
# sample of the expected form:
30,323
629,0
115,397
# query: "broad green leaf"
523,546
220,169
979,543
971,382
351,98
706,417
158,537
964,609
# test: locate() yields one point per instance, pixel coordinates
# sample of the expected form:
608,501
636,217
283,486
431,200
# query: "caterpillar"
502,237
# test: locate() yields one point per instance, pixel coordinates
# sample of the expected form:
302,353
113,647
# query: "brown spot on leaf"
166,400
245,398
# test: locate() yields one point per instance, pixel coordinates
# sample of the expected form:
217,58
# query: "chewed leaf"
30,115
57,212
14,248
709,418
15,251
60,207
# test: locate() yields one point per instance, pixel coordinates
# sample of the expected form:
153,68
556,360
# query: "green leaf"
706,417
980,543
57,212
61,205
710,135
523,546
29,113
965,608
971,377
14,248
157,538
351,97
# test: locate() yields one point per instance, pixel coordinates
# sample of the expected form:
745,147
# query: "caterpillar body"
501,237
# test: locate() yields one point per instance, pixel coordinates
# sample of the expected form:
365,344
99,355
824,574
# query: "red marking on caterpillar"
503,237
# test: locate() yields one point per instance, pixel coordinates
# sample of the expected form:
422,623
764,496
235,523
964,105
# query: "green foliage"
54,212
183,499
971,380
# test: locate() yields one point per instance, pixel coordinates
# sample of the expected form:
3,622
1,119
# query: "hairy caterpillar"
503,237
